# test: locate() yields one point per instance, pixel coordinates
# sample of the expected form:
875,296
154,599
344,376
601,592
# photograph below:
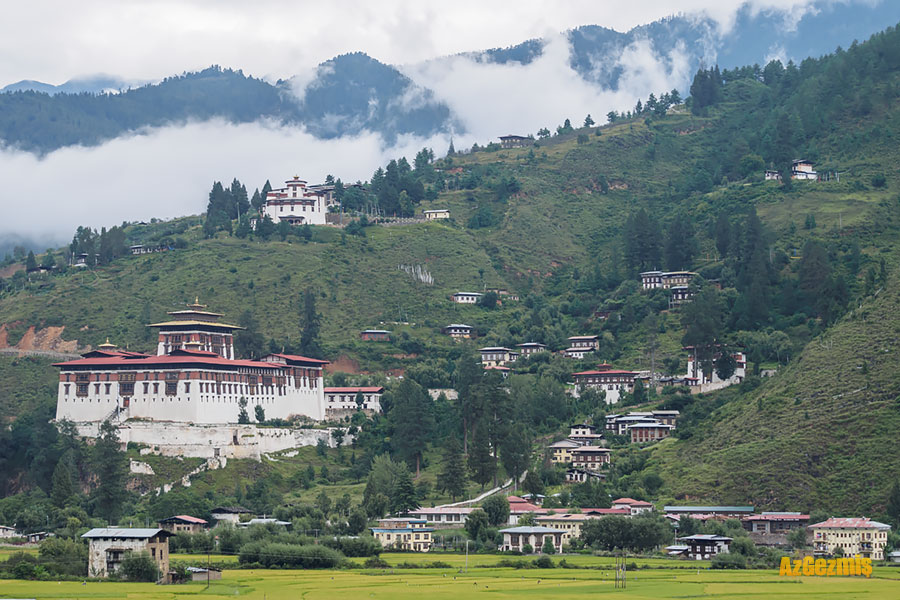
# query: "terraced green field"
438,584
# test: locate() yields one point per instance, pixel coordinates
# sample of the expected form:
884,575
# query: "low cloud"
168,172
491,99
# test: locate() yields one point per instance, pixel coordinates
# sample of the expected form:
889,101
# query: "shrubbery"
272,554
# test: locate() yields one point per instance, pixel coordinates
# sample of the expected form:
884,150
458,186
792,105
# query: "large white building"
296,203
186,384
712,381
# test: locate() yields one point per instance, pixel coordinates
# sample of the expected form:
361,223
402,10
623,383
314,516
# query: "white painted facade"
296,203
466,297
708,382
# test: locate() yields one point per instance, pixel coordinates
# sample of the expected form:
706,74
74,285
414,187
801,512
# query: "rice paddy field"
480,582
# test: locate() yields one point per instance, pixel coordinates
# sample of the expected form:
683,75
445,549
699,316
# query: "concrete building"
404,534
733,512
515,141
634,507
853,536
561,451
581,345
613,382
775,522
708,382
574,475
516,538
803,170
228,514
498,356
375,335
529,348
8,532
108,547
585,434
443,516
183,524
466,297
649,432
591,458
460,331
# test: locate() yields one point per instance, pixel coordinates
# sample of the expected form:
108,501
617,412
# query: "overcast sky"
55,40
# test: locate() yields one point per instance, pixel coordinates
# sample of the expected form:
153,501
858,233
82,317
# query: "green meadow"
498,583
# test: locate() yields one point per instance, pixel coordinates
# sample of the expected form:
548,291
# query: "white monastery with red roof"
193,379
296,203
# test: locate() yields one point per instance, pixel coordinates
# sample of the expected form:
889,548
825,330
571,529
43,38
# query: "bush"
376,562
362,546
729,561
271,554
527,549
138,566
543,562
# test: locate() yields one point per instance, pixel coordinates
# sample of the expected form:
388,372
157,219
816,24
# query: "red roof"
778,517
187,518
606,372
298,358
631,502
177,357
606,511
353,390
849,523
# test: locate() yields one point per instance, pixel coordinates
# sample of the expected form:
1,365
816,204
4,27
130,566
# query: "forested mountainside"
805,273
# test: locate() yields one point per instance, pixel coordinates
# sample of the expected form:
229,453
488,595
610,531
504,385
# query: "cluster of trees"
101,248
652,107
645,248
226,205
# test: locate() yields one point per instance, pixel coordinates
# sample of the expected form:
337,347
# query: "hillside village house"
854,536
459,331
711,381
613,382
443,516
574,475
108,547
515,141
8,532
183,524
561,451
772,175
192,379
651,280
504,295
466,297
529,348
296,204
634,507
498,356
504,371
619,424
228,514
704,546
437,214
342,401
732,512
375,335
590,457
404,534
581,345
516,538
803,170
585,434
775,522
648,432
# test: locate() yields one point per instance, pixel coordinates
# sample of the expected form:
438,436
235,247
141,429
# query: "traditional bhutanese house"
590,457
498,356
264,521
504,371
574,475
613,382
466,297
296,204
775,522
343,401
108,547
803,170
569,523
375,335
735,512
634,507
529,348
619,424
667,417
437,214
519,506
515,141
648,432
651,280
459,331
443,516
854,536
772,175
561,451
516,538
404,534
712,380
8,532
228,514
183,524
581,345
704,546
585,434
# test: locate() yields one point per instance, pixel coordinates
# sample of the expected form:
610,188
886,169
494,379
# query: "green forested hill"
568,224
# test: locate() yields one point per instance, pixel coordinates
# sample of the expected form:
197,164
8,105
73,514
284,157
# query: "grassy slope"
820,435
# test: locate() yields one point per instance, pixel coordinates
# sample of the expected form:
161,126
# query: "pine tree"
412,421
403,495
243,416
515,454
259,413
110,467
723,234
63,486
482,465
309,326
452,478
30,262
588,121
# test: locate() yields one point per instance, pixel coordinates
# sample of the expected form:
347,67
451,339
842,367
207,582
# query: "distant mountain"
354,92
97,84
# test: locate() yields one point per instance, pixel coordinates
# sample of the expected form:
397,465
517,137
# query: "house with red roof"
634,507
612,382
183,524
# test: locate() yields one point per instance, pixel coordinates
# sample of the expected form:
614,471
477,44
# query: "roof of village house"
468,294
531,529
443,510
649,425
494,349
850,523
116,532
586,425
352,390
565,444
459,325
185,518
514,137
591,450
438,210
531,345
495,368
778,516
235,510
583,337
631,502
375,331
605,371
708,509
705,537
